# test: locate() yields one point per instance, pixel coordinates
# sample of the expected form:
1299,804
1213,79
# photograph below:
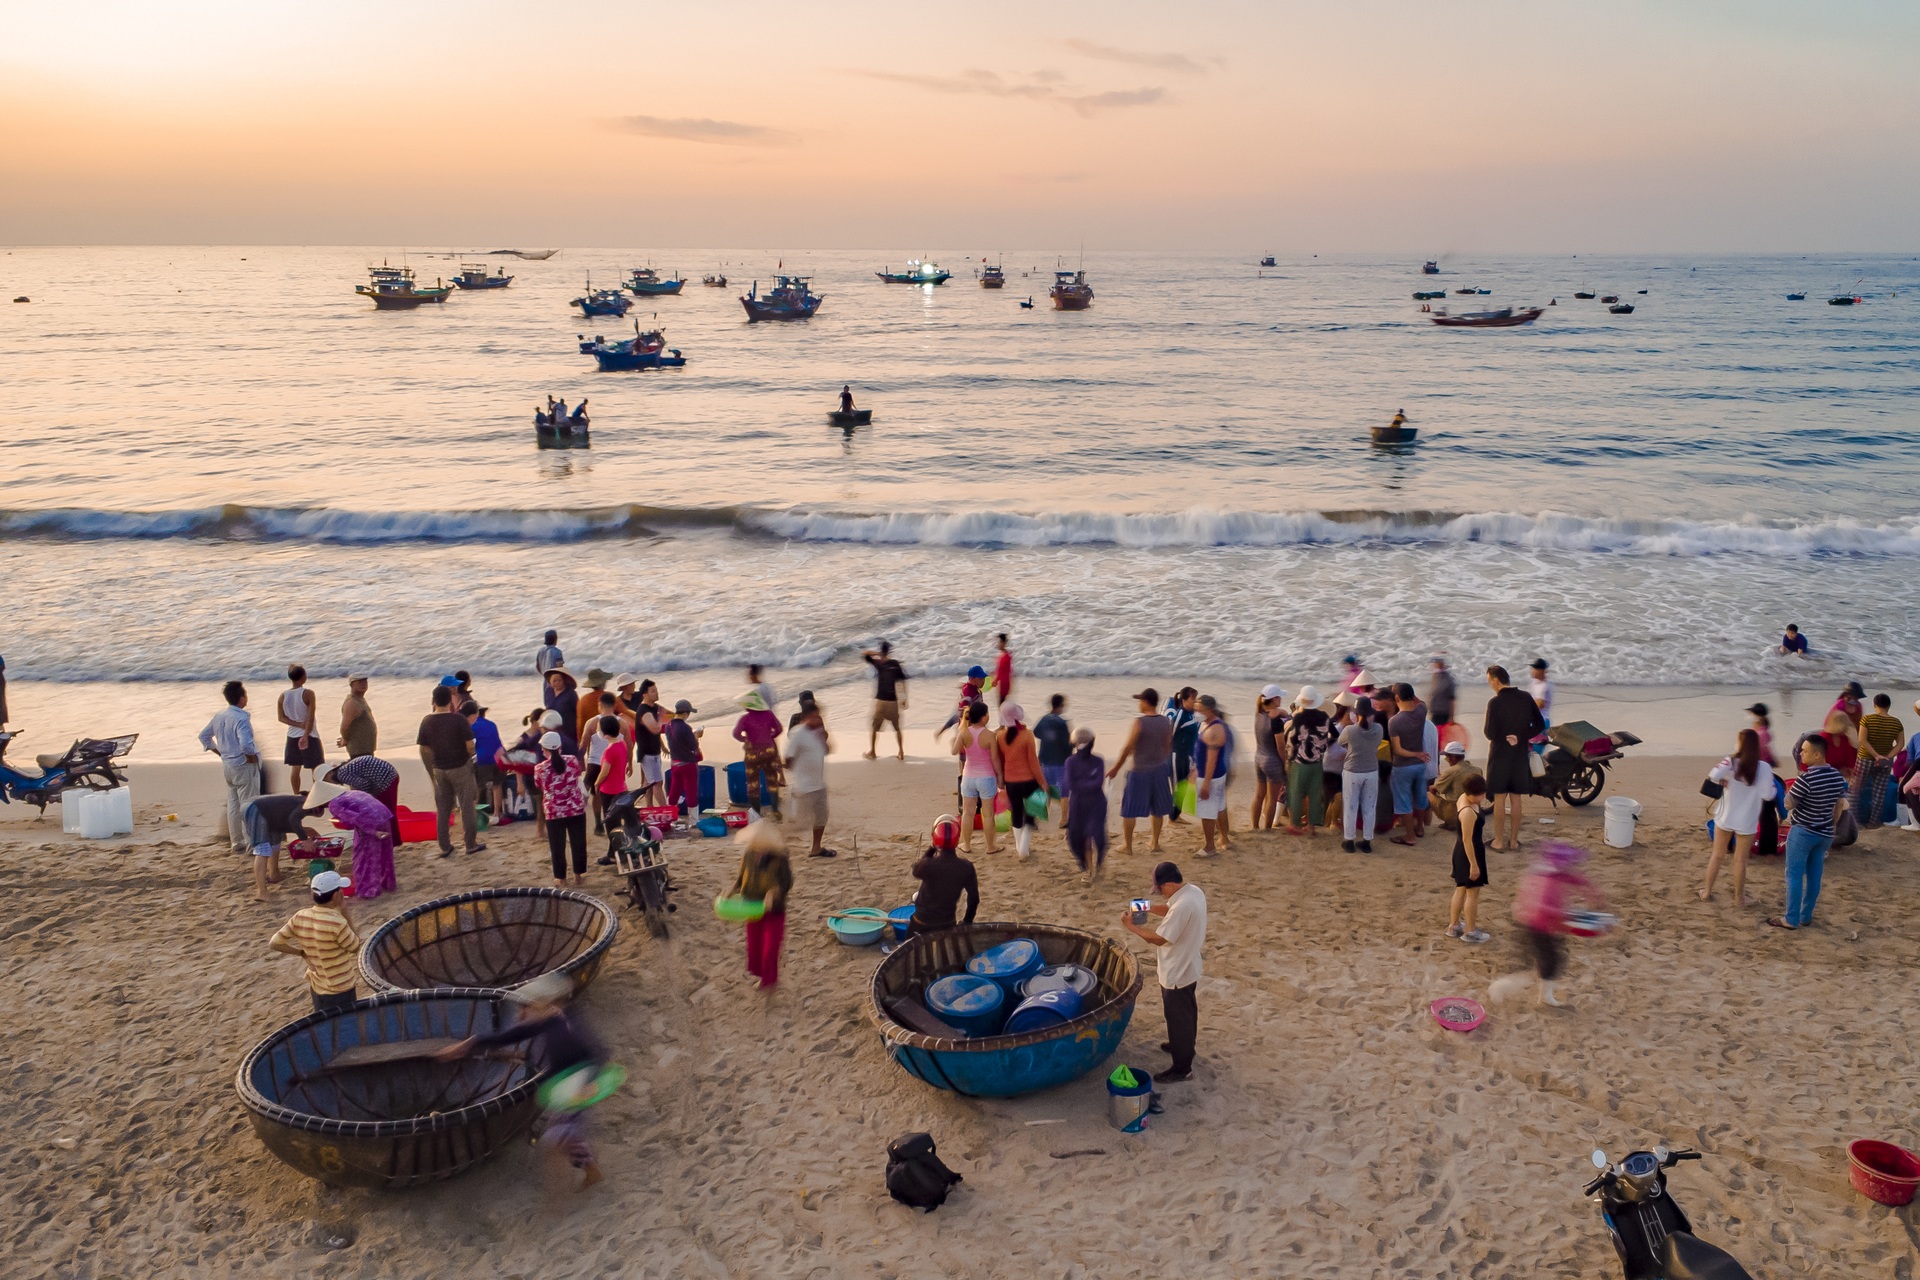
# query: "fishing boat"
1483,292
1269,261
714,282
1467,290
917,272
789,299
1070,291
1621,309
1584,292
992,277
603,302
553,430
644,350
474,275
850,417
1500,318
1610,298
1428,295
646,282
1430,268
393,289
1395,432
1843,300
1796,297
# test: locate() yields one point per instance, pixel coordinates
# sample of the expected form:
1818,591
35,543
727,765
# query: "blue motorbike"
88,763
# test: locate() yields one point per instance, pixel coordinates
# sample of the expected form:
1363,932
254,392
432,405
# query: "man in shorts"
889,697
1407,740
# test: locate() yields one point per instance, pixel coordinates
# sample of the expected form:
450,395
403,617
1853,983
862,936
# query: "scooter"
1650,1232
633,847
88,763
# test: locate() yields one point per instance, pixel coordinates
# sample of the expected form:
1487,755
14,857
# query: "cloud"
1039,86
724,133
1179,62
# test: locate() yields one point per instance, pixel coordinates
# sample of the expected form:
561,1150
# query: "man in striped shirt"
323,936
1814,800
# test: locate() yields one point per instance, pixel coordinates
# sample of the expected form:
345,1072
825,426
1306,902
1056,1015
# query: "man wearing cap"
323,936
1149,789
1212,754
1179,934
486,754
358,733
683,749
1443,794
445,740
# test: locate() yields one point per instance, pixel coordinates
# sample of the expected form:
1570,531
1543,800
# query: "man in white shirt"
807,748
1180,933
229,735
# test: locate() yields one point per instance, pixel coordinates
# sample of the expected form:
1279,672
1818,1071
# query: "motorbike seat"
1688,1257
49,761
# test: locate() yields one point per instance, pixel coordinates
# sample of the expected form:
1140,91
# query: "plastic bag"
1037,804
1183,796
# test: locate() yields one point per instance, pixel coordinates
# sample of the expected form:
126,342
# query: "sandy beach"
1332,1128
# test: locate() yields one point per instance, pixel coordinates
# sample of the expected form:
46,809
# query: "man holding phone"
1180,930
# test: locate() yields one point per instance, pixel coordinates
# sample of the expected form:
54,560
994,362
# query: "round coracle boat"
1001,1066
354,1098
491,938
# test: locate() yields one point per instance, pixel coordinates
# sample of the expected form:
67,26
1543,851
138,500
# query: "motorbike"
88,763
1577,763
633,844
1650,1231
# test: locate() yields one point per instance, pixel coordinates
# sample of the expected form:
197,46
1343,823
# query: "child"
1547,892
970,691
616,761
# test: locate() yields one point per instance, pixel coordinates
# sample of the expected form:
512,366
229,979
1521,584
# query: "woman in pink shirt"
757,732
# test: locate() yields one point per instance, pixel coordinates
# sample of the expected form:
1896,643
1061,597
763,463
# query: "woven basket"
491,938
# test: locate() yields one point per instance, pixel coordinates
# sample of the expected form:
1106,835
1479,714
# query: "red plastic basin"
1882,1172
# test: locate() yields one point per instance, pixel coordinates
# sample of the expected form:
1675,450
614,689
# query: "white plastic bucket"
96,816
70,811
121,801
1622,813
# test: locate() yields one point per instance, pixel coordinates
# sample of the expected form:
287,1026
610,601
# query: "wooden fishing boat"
1002,1066
1429,295
1584,293
565,436
789,299
1621,309
402,1118
1070,291
850,417
1609,298
1796,297
493,938
1395,435
645,282
1430,268
474,275
1843,300
393,289
714,282
917,272
603,302
1269,261
646,350
992,277
1500,318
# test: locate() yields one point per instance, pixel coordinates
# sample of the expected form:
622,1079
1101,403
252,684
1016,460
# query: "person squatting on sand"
944,876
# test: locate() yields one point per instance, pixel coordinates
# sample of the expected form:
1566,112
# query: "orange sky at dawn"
1389,125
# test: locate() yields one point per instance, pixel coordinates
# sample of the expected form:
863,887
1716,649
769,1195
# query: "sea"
219,460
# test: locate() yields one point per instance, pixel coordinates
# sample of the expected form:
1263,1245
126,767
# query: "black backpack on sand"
915,1175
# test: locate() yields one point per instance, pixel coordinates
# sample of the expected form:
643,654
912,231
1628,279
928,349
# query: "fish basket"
491,938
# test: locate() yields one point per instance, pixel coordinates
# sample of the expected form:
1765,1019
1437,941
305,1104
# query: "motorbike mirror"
1661,1152
1599,1158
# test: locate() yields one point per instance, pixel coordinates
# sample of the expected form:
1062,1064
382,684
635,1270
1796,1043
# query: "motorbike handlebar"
1597,1184
1678,1156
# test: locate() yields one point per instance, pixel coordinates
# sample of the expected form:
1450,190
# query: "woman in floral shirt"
565,804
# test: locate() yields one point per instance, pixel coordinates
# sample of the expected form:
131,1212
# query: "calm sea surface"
220,460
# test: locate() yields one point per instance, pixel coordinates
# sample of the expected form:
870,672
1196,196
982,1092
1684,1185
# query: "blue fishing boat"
646,350
474,275
1001,1066
917,272
1429,268
646,283
603,302
789,299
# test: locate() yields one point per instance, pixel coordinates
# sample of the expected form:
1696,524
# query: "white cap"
551,720
550,740
1271,692
328,881
1455,748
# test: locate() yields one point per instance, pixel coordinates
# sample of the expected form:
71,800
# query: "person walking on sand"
564,804
1814,801
1360,778
889,698
979,776
1085,808
300,713
322,935
1002,670
1407,739
944,876
1180,932
1269,758
445,740
358,732
806,761
1469,862
766,876
548,655
229,735
1149,790
1212,760
1547,892
1016,755
1309,733
1745,780
1054,737
1513,720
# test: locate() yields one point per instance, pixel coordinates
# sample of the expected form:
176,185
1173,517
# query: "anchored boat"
393,289
1269,261
1500,318
474,275
714,282
1430,268
1070,291
789,299
993,277
644,350
646,283
603,302
917,272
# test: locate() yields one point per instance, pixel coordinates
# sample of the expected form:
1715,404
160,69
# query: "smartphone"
1140,913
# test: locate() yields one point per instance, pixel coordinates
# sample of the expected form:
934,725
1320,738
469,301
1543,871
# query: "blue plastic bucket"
737,782
969,1004
1048,1009
1009,964
706,787
901,918
1127,1108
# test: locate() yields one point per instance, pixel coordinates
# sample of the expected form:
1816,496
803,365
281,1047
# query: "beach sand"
1332,1128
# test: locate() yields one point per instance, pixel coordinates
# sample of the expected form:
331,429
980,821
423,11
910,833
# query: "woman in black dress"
1469,864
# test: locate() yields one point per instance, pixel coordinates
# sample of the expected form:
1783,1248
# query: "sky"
1223,125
